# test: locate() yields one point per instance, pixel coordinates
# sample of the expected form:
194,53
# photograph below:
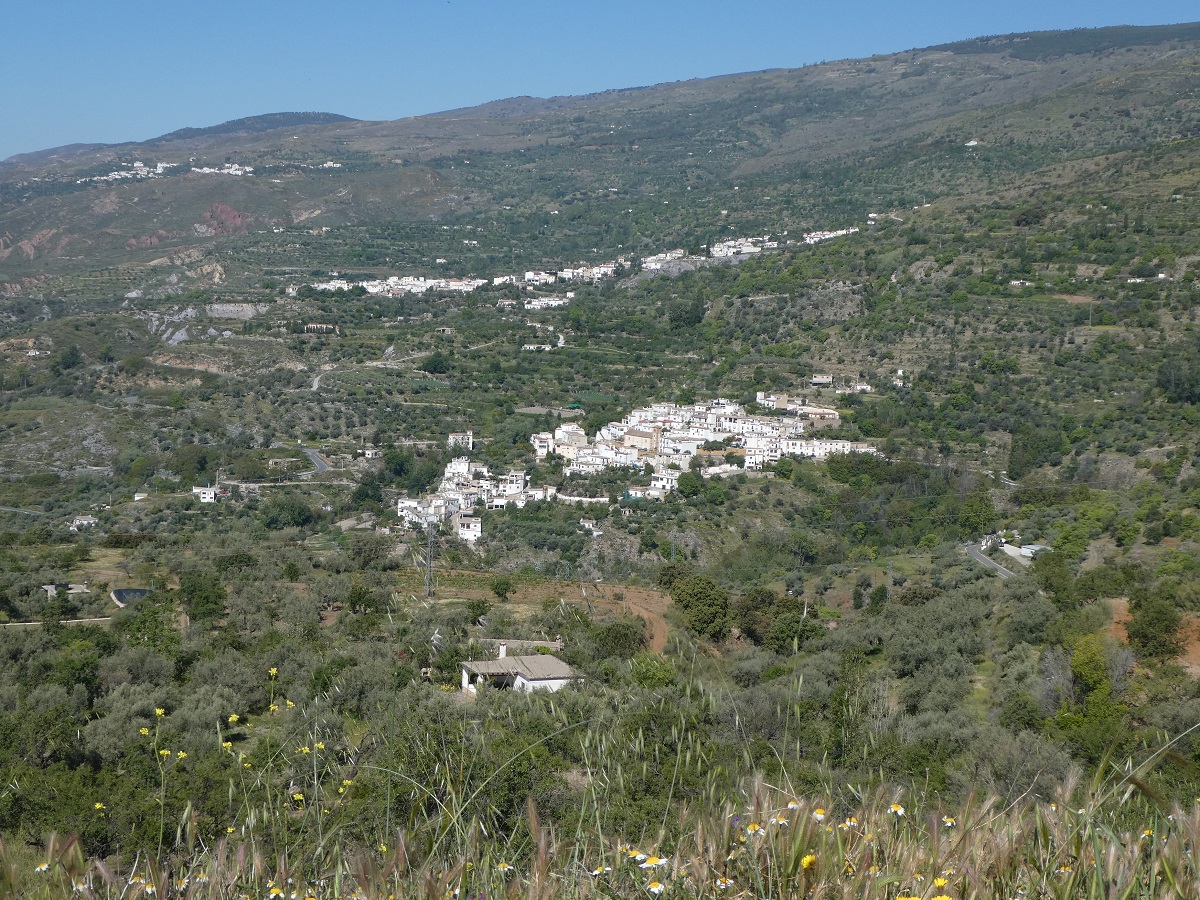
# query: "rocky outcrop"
29,246
152,240
221,220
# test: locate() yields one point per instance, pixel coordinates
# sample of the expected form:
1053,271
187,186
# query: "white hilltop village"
665,437
398,285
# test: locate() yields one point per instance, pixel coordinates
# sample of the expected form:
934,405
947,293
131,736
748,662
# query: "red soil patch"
621,599
1189,658
1121,618
649,605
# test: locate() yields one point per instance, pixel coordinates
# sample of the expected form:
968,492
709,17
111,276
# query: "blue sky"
99,71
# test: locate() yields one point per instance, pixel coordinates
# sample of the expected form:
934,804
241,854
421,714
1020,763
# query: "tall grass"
1109,837
1106,838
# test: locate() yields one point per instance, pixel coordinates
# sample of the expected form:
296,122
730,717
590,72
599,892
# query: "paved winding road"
975,554
321,465
17,509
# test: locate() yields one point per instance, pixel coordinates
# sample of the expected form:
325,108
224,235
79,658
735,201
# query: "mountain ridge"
676,151
1037,45
245,125
254,124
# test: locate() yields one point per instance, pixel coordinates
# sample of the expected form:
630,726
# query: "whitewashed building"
468,527
525,674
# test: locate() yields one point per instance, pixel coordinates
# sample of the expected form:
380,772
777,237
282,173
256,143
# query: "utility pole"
429,563
676,537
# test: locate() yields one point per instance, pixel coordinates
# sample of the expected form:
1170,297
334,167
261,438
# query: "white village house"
525,674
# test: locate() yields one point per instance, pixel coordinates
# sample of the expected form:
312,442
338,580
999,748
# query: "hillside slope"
900,122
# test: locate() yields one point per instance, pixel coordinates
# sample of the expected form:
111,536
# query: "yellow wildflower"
808,860
273,671
159,712
233,719
144,732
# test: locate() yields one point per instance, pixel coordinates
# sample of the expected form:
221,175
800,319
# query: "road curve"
975,554
315,457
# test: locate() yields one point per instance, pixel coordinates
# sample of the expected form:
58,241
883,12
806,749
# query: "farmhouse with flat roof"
536,672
